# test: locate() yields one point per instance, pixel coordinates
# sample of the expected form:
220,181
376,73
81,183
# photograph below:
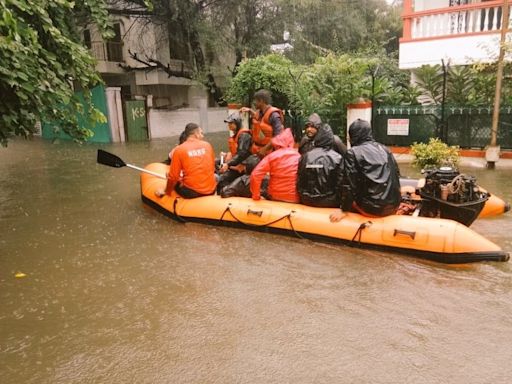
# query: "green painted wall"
101,130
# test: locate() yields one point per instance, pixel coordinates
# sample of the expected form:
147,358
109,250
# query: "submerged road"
115,292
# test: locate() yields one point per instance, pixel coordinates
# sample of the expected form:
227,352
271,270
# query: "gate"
422,123
467,127
470,127
136,121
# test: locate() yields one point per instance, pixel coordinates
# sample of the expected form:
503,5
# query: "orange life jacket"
233,141
262,129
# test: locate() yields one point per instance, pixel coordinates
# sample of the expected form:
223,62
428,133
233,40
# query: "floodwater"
115,292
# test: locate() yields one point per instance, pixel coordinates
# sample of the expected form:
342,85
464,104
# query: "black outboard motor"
451,195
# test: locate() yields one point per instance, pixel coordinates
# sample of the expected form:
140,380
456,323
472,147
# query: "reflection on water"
117,293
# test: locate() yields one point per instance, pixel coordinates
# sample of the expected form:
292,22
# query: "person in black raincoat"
312,127
241,186
372,177
321,172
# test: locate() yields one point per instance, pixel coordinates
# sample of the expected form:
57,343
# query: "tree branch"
152,64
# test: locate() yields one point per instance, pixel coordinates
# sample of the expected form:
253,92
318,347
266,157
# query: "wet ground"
115,292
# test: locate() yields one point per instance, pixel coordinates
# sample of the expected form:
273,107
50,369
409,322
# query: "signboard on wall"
398,127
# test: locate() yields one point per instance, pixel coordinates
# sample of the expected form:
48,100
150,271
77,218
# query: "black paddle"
111,160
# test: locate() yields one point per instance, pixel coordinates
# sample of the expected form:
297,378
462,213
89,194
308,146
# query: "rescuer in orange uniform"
239,150
192,171
267,122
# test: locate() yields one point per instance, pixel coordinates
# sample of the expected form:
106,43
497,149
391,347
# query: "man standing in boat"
192,171
372,177
267,122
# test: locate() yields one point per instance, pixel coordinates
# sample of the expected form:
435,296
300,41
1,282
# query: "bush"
324,87
272,72
328,85
434,154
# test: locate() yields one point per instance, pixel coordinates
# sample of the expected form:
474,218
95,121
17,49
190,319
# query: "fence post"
115,114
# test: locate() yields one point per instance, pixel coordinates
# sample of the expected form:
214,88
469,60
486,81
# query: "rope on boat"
288,216
359,231
178,217
457,184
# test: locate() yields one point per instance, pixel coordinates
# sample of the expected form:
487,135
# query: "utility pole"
443,133
493,151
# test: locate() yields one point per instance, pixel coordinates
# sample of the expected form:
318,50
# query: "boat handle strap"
412,235
252,212
288,217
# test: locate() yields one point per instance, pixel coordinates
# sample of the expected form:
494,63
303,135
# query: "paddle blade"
107,158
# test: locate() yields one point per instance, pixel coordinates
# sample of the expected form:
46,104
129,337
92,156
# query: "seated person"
181,140
321,172
240,144
307,143
282,165
372,177
192,170
241,187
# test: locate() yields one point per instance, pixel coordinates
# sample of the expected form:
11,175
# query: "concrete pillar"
408,9
149,107
198,98
38,128
115,114
492,156
362,109
202,103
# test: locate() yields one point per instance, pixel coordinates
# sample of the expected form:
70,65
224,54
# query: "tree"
328,85
324,87
339,26
466,85
42,62
273,72
201,32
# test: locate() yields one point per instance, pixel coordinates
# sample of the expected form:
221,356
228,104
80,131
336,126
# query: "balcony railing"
454,21
107,51
180,68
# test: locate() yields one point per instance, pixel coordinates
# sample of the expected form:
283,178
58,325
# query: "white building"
171,100
459,31
137,35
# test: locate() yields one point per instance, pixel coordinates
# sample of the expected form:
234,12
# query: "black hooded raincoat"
372,174
320,172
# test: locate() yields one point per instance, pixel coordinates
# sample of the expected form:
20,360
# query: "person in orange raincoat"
282,165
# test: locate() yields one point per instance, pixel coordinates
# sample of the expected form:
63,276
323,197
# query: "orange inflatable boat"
437,239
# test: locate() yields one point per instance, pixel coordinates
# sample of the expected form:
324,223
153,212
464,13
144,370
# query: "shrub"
272,72
434,154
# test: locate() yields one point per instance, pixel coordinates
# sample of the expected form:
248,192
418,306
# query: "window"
87,38
117,33
115,45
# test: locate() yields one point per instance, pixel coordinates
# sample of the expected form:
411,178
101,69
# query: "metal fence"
467,127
